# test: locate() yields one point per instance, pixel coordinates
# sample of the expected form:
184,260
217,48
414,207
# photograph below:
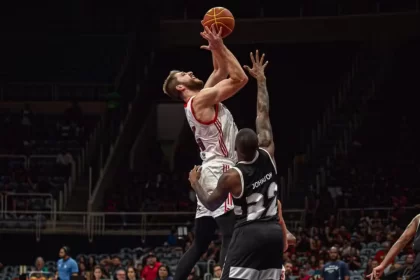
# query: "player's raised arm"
227,87
228,182
220,71
263,124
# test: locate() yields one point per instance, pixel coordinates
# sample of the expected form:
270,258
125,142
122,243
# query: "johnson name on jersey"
217,137
258,200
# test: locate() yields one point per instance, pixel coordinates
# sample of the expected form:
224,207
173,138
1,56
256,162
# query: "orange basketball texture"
220,17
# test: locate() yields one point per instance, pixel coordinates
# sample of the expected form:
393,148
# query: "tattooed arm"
406,237
263,124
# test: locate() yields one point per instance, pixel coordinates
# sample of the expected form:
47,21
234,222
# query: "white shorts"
210,174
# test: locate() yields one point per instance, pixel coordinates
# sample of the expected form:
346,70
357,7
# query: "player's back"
258,201
256,249
216,139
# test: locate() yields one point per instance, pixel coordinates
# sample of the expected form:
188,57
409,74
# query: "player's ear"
180,87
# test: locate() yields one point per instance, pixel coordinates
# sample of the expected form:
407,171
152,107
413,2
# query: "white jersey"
216,138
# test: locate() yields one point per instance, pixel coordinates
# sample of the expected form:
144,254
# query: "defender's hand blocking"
213,37
195,174
258,65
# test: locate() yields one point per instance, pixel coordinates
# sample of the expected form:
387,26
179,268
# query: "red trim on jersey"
228,201
186,102
224,170
221,140
216,110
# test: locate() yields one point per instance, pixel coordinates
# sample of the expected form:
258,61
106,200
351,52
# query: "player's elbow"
243,80
239,82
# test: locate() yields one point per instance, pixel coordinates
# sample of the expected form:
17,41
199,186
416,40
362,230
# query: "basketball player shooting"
256,249
215,131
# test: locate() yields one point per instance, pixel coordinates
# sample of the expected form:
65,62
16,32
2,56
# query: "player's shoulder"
233,175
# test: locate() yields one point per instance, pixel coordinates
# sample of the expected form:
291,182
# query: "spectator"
164,273
172,240
288,266
66,266
120,274
407,268
131,273
217,272
81,259
150,271
96,273
370,266
112,265
380,255
303,275
82,269
139,269
40,265
91,263
335,269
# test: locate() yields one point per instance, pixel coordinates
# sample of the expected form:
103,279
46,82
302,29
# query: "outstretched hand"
213,36
195,174
376,272
258,65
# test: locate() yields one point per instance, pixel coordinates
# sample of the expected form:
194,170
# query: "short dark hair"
246,143
66,250
169,85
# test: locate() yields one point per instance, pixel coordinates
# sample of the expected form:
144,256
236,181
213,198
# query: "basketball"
220,17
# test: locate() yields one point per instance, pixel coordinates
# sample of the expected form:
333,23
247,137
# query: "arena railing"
7,195
115,223
64,91
384,212
73,175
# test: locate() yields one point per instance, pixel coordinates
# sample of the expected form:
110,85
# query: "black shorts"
255,252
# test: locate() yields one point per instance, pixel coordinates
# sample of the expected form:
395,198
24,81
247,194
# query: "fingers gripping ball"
220,17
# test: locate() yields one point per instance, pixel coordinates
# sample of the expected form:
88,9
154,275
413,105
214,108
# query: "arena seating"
362,235
31,177
127,256
381,160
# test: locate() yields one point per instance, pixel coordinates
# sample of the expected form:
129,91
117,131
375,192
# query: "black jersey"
258,200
